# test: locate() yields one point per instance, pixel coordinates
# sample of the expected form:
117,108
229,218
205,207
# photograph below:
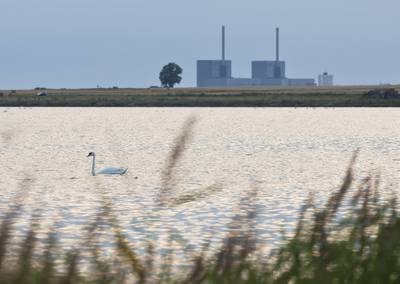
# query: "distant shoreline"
349,96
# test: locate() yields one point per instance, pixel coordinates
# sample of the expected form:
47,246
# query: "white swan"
106,171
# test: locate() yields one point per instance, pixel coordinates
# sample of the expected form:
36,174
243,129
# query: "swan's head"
91,154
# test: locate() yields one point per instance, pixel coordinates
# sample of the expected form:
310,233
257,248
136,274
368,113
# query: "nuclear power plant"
218,73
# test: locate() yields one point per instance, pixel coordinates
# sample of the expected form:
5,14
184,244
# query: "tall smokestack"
277,44
223,43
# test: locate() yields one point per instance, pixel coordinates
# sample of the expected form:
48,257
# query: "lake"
285,153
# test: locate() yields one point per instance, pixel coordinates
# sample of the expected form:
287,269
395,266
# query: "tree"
169,75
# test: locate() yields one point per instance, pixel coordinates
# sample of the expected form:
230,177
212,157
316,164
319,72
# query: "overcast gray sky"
84,43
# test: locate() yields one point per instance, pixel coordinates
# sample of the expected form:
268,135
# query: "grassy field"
349,96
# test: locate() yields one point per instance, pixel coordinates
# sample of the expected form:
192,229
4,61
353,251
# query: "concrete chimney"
277,44
223,43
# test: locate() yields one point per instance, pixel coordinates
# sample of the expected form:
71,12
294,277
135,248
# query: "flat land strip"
348,96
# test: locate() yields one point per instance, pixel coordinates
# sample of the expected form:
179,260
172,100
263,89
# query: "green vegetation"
160,97
354,238
170,75
362,246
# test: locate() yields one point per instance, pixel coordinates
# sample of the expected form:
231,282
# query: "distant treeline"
163,97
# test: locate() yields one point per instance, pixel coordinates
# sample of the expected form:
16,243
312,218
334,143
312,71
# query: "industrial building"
218,73
325,79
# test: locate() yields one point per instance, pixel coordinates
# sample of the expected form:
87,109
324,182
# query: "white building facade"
325,79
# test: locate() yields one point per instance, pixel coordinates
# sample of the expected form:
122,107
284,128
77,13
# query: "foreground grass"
353,238
362,246
250,97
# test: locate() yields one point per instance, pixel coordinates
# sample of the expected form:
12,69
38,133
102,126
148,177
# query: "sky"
125,43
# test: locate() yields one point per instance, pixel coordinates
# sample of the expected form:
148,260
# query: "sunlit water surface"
285,154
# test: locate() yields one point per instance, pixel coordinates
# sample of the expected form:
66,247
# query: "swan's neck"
93,166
